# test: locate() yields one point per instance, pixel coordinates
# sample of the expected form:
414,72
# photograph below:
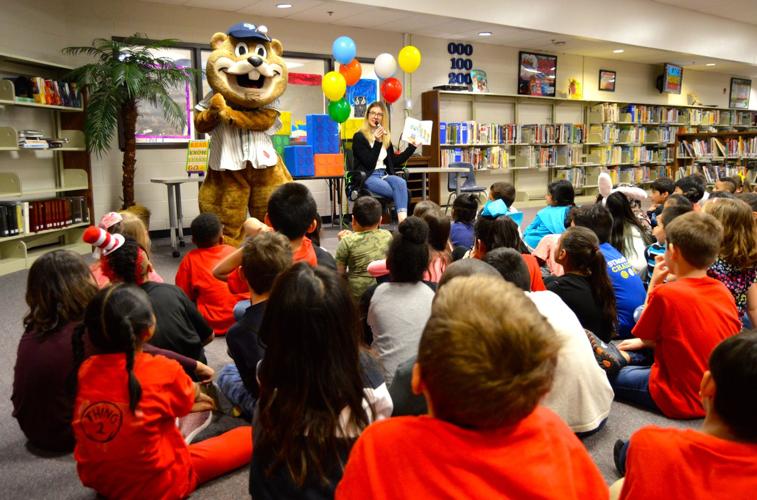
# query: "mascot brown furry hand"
247,75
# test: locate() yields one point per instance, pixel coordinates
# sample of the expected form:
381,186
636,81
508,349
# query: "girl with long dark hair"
628,235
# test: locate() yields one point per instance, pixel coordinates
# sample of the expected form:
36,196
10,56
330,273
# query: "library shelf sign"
537,74
740,90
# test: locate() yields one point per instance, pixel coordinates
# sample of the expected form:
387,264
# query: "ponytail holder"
100,238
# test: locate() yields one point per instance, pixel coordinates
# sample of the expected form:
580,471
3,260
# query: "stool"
175,216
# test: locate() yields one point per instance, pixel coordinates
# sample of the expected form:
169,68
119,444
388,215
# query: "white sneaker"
194,423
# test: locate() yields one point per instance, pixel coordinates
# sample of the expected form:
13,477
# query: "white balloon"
385,66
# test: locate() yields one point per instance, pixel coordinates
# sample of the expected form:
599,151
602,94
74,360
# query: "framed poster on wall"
607,80
740,90
537,74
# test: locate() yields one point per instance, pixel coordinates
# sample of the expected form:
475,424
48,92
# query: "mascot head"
246,66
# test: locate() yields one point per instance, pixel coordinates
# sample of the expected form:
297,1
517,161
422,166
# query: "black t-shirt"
324,258
575,290
180,327
245,348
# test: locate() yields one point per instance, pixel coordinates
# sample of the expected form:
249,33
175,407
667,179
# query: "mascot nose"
255,61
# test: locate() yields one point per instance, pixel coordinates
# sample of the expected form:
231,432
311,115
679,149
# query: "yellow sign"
198,153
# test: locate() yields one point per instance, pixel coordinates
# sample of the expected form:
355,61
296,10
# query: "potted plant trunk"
124,74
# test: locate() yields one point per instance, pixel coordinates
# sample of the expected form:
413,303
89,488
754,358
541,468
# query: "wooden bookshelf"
38,174
645,148
714,164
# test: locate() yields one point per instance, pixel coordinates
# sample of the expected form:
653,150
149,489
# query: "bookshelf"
717,154
634,143
54,177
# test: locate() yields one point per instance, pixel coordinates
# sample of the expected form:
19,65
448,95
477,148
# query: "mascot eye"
241,49
260,51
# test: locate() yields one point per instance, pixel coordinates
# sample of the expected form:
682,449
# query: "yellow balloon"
334,85
409,58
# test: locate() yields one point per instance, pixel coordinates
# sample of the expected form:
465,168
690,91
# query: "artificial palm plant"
126,72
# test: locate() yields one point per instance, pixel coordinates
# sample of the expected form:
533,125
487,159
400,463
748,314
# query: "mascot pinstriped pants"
230,194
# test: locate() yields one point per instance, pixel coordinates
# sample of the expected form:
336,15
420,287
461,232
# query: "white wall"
40,28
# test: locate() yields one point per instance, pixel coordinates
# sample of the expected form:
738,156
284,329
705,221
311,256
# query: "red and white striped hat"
106,242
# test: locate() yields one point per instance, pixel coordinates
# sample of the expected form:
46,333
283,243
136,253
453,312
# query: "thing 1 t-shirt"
425,457
690,464
628,287
686,319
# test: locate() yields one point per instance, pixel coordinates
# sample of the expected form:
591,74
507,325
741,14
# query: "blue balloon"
344,50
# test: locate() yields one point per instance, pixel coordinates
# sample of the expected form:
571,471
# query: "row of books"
634,113
608,134
715,148
481,158
46,91
472,132
23,217
35,139
575,176
714,173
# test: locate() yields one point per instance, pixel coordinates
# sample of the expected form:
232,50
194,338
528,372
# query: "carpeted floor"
26,475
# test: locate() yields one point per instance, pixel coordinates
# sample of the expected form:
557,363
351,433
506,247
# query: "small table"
436,170
336,188
175,216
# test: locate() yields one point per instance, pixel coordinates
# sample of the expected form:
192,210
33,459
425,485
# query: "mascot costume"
247,74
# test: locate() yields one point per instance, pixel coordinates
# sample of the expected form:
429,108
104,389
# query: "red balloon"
391,90
351,71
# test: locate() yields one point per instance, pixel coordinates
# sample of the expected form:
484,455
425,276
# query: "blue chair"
468,180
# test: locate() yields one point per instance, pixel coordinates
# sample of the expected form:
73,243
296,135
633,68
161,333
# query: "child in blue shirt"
551,219
464,210
658,247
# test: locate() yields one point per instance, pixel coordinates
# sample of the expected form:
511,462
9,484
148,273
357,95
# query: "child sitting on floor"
126,224
366,243
736,265
263,258
318,390
692,187
658,248
464,210
719,460
212,297
292,212
438,245
483,369
683,321
551,219
506,192
179,326
127,403
661,188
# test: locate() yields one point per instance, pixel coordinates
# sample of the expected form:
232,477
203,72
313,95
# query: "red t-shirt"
537,282
238,284
424,457
123,455
686,318
688,465
213,298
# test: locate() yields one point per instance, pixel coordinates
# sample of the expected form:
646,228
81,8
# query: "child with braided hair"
127,442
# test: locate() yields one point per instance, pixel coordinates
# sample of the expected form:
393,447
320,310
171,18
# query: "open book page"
417,131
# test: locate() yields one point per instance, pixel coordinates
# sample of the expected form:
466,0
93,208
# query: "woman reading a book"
375,156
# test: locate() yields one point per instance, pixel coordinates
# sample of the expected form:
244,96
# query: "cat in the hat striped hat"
121,259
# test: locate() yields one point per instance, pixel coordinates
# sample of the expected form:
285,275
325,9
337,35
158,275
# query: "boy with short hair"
263,258
692,187
662,187
683,321
503,191
658,248
483,369
292,212
213,299
725,184
628,287
361,246
720,460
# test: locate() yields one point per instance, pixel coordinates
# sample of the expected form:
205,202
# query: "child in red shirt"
292,211
127,442
482,370
683,321
721,459
195,275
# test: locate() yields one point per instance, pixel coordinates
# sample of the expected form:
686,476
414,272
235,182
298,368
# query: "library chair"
468,180
354,184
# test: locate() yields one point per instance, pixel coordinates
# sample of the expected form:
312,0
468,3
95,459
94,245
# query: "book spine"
25,215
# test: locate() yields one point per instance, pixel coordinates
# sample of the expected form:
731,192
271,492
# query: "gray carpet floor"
26,475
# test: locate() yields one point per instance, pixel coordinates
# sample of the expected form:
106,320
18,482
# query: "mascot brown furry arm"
247,74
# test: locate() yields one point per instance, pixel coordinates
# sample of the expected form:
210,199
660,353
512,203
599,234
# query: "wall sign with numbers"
460,63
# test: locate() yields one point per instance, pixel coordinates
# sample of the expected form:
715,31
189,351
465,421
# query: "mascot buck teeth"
247,74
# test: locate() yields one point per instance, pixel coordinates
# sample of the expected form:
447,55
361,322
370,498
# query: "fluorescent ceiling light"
710,64
283,5
484,33
618,51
